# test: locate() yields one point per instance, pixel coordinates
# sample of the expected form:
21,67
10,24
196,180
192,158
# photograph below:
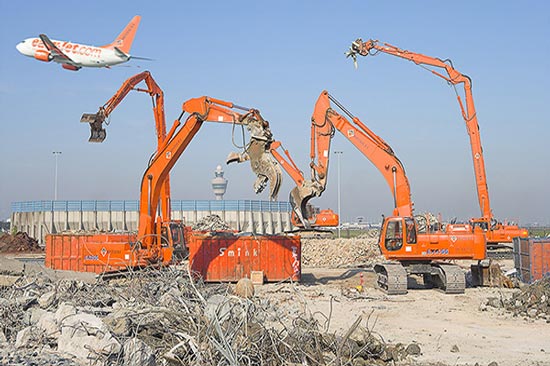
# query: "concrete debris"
47,300
138,353
211,223
19,243
340,253
163,317
533,301
244,288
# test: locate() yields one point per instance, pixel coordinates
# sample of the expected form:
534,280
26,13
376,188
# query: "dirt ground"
456,330
450,329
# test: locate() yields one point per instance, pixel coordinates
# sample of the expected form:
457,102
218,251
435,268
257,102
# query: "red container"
532,258
229,258
88,252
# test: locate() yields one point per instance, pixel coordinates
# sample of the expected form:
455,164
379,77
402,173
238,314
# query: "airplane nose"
19,47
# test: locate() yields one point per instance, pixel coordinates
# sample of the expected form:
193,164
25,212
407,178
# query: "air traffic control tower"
219,183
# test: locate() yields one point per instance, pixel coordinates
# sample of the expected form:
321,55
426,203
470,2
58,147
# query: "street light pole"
56,155
339,153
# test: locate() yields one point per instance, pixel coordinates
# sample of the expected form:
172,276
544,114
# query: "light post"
339,153
56,155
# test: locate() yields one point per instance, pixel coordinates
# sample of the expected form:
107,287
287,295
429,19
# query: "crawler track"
392,278
455,281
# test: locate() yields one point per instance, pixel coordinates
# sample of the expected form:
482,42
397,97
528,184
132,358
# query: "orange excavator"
304,216
495,231
158,237
412,251
96,120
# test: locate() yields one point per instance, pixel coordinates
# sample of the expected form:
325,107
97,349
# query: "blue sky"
278,57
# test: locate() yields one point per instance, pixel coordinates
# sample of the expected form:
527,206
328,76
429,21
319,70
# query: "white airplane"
74,56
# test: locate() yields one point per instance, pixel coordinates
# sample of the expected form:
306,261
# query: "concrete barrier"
38,218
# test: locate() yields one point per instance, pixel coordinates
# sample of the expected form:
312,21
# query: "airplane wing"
57,54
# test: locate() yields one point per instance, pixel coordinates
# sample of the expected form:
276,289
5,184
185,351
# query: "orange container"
228,258
87,252
532,258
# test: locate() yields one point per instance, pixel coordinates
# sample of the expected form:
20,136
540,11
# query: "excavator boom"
452,76
98,133
372,146
496,232
203,109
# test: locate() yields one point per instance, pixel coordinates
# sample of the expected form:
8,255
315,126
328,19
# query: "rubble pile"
211,223
340,252
163,317
532,301
19,243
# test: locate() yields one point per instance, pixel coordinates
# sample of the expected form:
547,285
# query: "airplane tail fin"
124,40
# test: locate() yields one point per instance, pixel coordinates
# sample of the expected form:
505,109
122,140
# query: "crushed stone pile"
340,252
211,223
163,317
19,243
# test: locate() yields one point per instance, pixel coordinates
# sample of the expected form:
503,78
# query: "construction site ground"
449,329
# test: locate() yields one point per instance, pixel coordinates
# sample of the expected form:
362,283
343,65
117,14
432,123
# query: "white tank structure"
38,218
219,183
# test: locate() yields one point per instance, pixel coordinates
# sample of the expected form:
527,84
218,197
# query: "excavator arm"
372,146
96,120
203,109
303,216
372,47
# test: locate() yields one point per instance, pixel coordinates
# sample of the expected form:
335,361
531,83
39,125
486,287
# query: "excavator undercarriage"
393,276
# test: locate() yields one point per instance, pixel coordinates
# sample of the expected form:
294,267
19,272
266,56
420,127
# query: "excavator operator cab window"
394,235
481,224
177,235
164,237
411,230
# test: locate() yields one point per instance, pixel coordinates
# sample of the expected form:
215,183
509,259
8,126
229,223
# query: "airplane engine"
42,55
69,67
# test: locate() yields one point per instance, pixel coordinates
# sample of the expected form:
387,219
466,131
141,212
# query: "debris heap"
211,223
163,317
19,243
532,301
353,252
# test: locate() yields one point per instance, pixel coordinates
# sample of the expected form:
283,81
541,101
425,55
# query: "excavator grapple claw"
97,135
97,132
300,196
262,164
258,153
234,157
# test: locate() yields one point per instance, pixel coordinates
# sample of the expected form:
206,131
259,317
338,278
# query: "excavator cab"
173,241
396,231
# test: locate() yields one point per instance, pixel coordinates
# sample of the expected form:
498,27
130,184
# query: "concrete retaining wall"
38,218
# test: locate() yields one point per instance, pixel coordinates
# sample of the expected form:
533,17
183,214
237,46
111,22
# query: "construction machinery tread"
500,254
392,278
455,280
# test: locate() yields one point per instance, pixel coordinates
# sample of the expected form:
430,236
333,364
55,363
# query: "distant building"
219,183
